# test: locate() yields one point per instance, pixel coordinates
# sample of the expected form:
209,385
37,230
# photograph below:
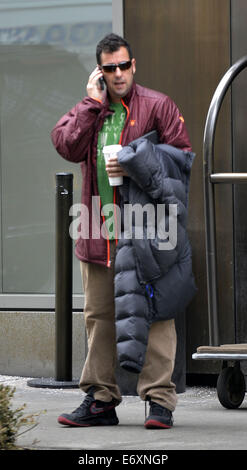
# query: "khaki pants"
99,368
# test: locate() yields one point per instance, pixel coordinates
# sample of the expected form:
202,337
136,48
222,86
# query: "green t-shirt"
108,135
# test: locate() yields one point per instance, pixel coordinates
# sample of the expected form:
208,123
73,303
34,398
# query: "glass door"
47,51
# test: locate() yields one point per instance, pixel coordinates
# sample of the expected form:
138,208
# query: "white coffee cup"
111,151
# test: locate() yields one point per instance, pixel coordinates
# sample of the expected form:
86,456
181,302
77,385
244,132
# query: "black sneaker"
159,417
91,413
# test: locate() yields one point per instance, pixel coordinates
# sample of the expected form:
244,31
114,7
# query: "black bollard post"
64,289
63,304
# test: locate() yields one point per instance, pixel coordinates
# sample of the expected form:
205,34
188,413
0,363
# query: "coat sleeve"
171,126
73,133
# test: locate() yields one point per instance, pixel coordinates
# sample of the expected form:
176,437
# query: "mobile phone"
102,83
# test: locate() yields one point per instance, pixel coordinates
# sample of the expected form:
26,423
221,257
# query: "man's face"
118,82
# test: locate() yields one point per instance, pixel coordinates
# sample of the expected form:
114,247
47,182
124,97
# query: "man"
119,113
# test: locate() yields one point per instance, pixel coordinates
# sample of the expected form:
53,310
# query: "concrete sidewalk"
200,422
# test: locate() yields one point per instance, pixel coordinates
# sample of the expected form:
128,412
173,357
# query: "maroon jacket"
75,138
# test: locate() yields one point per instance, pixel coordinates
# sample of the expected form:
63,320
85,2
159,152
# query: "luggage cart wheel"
231,386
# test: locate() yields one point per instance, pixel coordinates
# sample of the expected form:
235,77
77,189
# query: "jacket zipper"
108,260
115,216
127,118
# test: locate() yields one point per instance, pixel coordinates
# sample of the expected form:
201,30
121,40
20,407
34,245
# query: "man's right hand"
93,86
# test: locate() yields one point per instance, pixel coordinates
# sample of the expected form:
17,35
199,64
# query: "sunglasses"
109,68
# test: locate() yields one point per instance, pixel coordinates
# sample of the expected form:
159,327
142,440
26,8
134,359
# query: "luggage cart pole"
231,382
209,180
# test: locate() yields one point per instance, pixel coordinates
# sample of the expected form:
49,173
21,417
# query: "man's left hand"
114,169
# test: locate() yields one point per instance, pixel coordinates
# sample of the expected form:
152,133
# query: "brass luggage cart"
231,382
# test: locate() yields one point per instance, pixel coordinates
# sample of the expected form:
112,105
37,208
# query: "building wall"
46,53
183,49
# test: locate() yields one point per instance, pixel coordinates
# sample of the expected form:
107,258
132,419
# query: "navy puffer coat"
151,284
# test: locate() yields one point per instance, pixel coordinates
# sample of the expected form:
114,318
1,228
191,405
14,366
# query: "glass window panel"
47,51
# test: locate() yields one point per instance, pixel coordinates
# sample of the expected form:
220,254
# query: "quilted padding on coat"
151,284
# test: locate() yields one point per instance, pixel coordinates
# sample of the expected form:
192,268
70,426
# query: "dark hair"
111,43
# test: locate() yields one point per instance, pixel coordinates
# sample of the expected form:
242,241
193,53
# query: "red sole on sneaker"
67,422
153,424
